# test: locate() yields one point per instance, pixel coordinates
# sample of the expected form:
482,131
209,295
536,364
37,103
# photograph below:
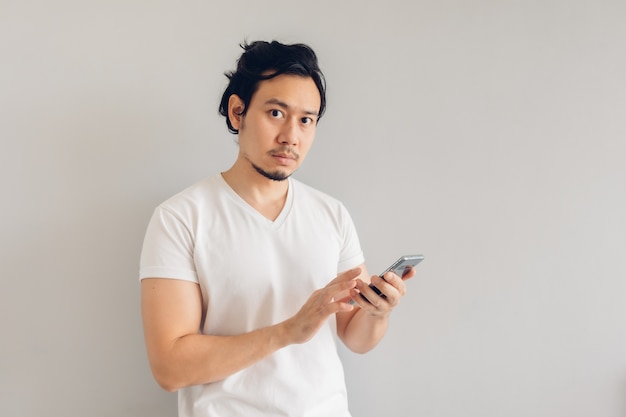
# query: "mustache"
285,150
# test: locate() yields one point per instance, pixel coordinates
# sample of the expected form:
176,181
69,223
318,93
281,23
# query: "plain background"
488,135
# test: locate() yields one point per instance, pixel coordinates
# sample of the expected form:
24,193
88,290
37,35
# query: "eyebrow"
286,106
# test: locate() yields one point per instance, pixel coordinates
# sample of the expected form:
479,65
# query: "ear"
236,107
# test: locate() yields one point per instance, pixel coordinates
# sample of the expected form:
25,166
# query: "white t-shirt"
255,273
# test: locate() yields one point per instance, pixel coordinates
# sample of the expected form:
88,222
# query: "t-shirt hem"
351,262
169,273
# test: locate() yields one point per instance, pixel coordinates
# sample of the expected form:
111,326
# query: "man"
239,303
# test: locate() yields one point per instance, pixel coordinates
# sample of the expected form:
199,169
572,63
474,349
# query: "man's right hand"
322,304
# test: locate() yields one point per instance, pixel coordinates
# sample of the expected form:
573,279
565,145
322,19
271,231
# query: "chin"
272,175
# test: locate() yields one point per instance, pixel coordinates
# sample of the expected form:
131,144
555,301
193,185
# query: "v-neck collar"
282,216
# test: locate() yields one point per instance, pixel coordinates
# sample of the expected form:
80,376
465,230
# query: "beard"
274,176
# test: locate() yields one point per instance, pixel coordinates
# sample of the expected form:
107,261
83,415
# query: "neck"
265,195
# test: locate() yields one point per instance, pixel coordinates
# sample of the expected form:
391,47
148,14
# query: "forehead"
294,90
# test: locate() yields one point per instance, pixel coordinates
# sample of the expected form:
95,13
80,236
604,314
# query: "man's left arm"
362,328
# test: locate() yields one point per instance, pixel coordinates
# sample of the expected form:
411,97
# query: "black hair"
265,60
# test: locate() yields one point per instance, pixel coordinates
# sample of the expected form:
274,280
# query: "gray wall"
488,135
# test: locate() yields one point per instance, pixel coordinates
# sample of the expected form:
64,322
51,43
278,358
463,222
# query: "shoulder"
196,194
304,191
312,198
189,203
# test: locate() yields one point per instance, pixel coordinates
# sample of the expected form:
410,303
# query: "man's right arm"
180,356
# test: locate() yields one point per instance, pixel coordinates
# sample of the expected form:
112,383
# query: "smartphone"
400,267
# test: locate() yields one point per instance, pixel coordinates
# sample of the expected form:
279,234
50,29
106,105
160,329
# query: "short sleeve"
168,248
351,254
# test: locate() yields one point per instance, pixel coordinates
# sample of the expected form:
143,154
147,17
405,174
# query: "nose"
289,132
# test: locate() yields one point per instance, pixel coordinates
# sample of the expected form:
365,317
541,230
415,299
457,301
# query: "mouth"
284,158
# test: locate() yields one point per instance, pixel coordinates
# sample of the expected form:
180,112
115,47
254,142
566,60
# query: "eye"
307,121
276,113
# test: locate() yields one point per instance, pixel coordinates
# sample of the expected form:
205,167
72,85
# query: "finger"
339,291
373,296
335,305
348,275
376,306
410,273
355,298
390,277
346,299
394,281
391,291
359,300
343,305
342,283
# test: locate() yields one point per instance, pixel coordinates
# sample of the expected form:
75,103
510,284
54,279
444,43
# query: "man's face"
278,129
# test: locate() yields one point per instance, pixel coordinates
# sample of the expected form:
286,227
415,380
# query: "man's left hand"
392,289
